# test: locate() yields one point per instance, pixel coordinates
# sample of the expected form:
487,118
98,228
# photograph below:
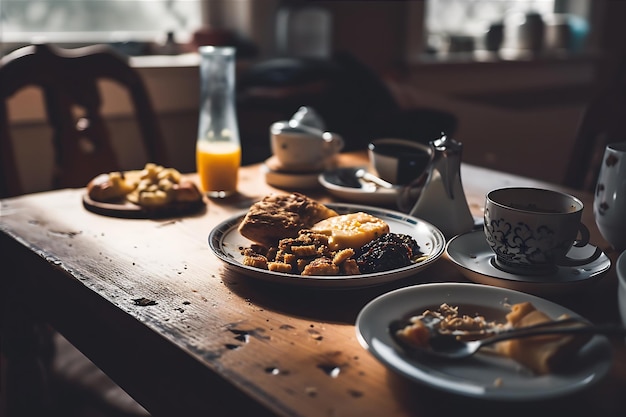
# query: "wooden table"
213,342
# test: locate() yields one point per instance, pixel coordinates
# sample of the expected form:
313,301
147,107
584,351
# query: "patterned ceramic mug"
532,230
609,204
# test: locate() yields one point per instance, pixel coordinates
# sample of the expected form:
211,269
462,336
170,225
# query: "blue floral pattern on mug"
519,243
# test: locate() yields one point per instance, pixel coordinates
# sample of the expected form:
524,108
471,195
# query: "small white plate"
227,243
471,253
343,184
483,375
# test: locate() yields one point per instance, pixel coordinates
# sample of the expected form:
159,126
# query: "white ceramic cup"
532,230
609,204
398,161
303,148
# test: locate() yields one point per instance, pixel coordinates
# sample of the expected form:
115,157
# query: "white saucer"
342,183
471,253
290,180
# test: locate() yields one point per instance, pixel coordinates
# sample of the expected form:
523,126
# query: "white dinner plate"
483,375
471,253
343,184
227,243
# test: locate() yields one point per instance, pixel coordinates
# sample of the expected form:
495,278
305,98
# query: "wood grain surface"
151,305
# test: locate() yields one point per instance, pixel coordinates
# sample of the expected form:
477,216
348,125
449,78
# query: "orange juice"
218,164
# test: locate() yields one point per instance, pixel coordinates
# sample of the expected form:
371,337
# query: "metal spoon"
449,346
363,174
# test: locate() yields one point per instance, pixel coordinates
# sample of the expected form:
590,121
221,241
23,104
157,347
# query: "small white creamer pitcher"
442,200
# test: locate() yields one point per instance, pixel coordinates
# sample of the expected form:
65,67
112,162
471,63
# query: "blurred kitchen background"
516,74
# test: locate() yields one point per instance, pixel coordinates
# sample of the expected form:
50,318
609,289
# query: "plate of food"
152,192
293,239
518,369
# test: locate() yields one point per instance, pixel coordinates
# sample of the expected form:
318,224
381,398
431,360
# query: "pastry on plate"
111,187
279,216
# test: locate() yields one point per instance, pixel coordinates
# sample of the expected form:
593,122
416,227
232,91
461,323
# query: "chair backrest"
602,122
69,80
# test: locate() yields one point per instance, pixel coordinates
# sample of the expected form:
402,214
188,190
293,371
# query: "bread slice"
279,216
542,354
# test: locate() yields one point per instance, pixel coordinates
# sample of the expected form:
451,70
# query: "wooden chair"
69,81
603,122
82,149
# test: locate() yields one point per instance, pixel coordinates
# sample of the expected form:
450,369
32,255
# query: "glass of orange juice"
218,164
218,150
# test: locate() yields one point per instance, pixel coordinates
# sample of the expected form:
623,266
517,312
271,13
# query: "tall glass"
218,149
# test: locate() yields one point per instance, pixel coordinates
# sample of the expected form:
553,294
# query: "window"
472,16
469,20
85,21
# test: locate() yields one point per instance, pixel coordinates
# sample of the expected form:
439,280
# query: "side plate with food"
228,244
152,192
485,375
